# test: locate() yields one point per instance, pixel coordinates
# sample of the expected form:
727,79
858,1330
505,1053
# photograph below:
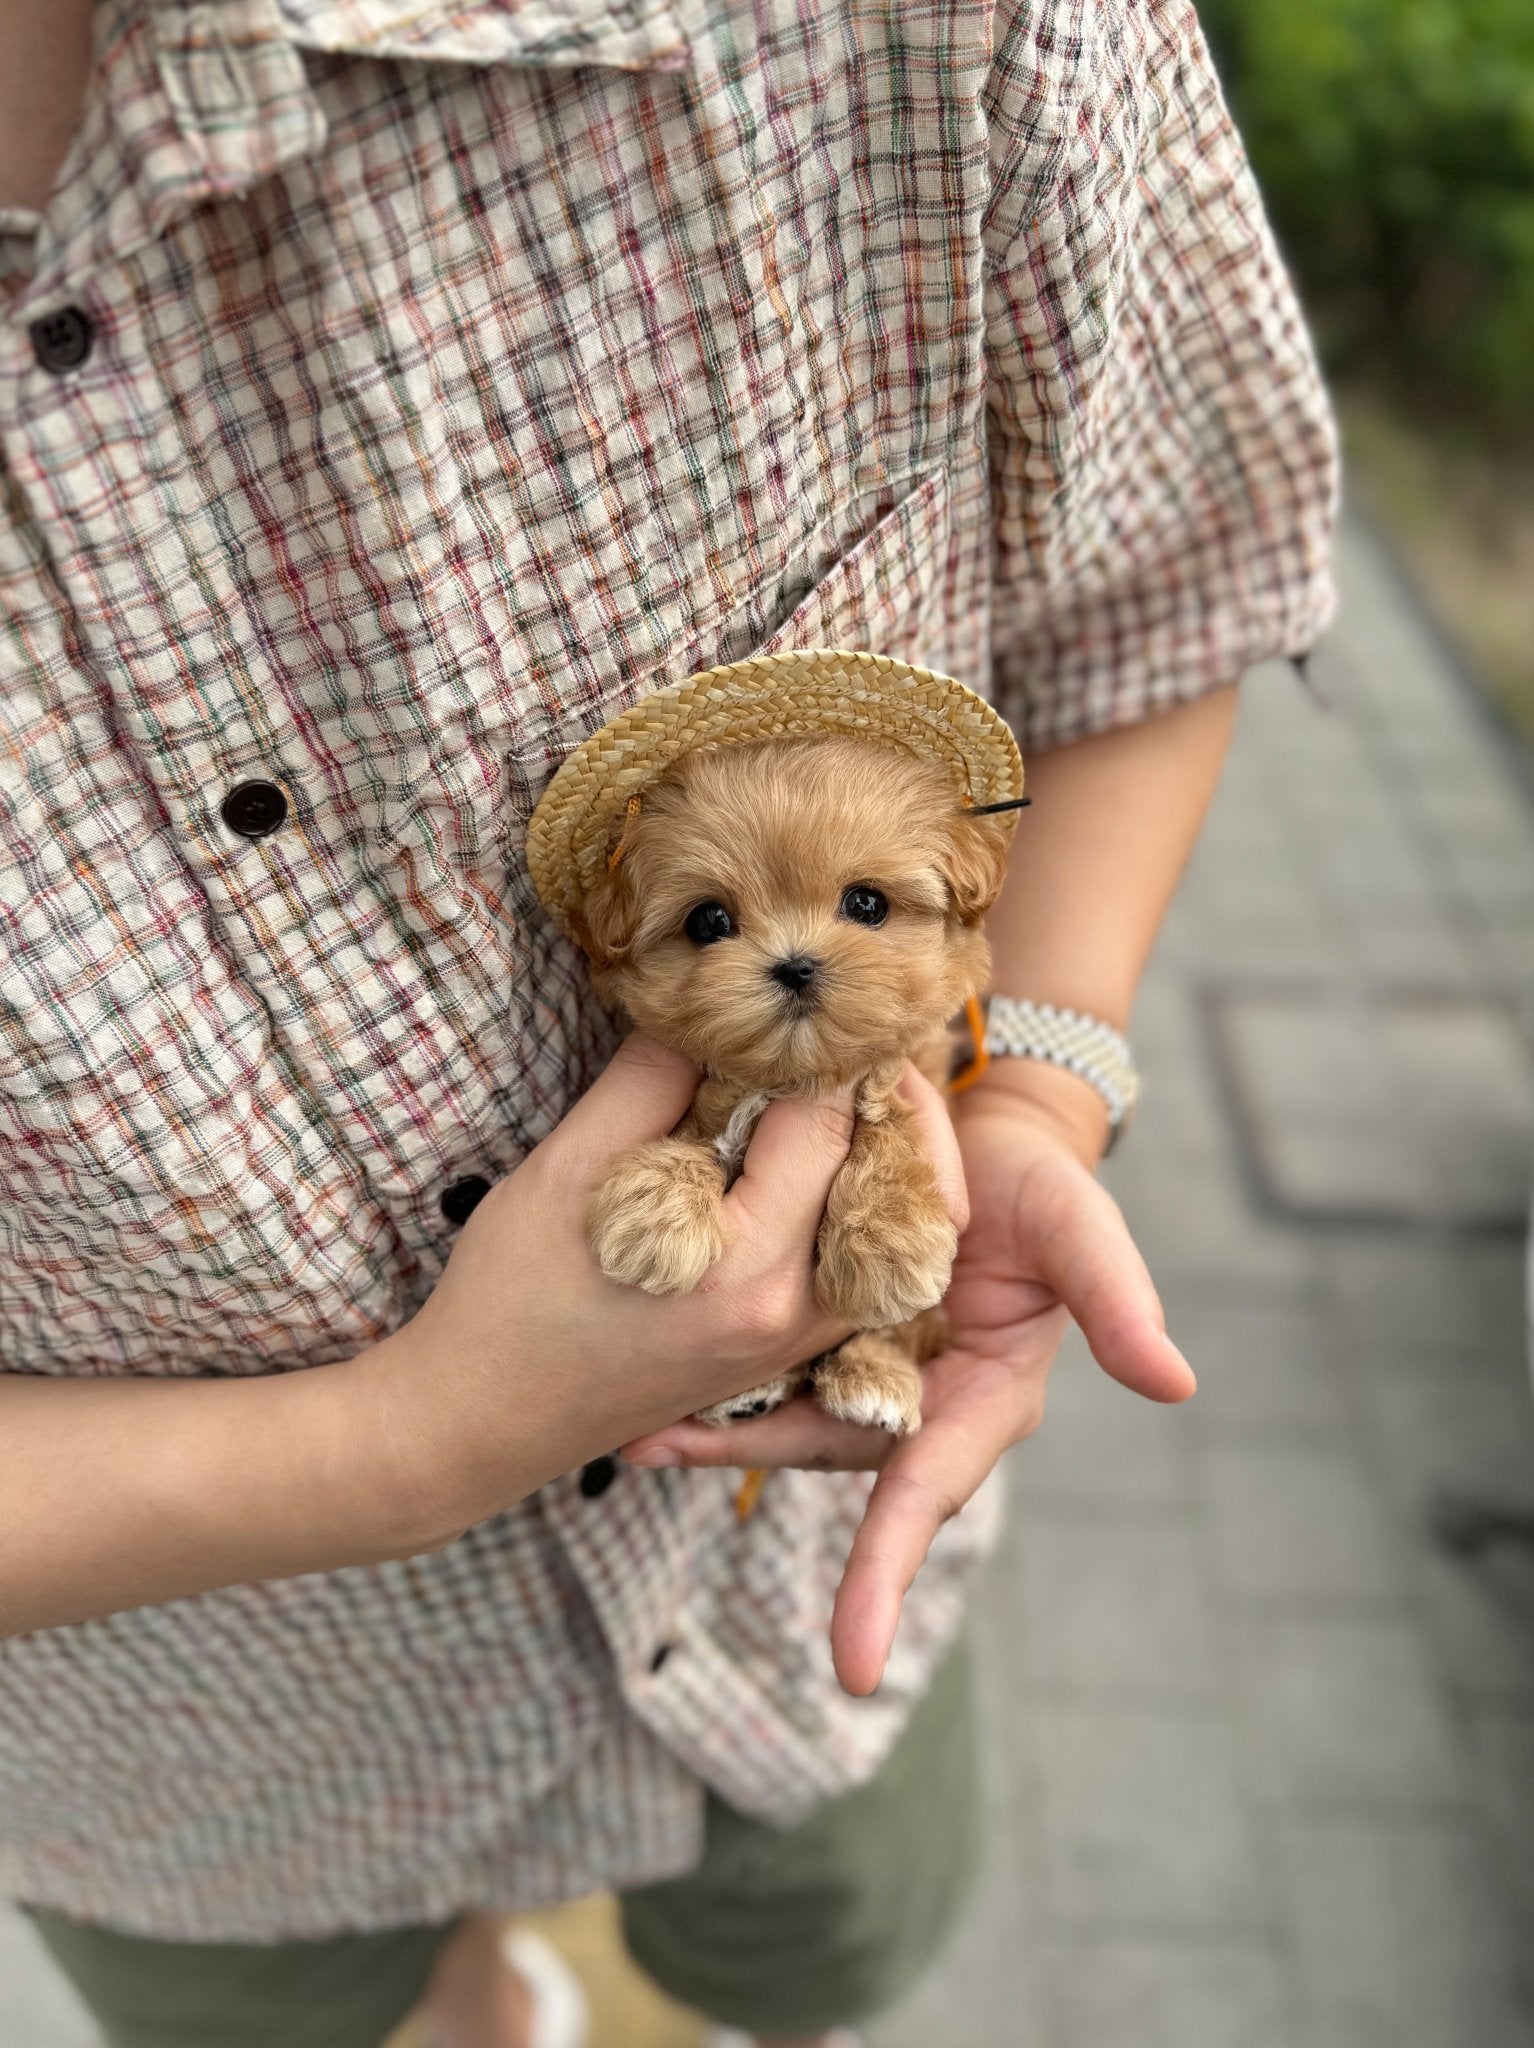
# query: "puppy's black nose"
795,974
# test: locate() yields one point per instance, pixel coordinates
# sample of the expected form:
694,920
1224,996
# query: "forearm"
522,1364
1094,865
127,1493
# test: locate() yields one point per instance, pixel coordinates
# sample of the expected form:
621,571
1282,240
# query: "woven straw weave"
771,696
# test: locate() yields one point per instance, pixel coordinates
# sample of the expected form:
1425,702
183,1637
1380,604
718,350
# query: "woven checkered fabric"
456,375
1067,1038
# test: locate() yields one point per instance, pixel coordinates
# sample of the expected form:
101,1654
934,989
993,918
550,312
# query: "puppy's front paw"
871,1380
656,1221
884,1262
755,1401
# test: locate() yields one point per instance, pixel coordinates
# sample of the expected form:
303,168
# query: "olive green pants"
776,1932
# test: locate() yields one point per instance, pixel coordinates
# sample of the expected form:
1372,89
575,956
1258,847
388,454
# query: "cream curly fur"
776,834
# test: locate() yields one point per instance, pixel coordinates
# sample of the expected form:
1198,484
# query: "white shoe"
560,2015
731,2037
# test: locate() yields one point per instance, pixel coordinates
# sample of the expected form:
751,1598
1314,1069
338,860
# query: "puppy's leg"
756,1400
874,1379
657,1221
886,1244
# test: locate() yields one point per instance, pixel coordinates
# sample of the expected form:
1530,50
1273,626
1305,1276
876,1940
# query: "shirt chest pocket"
889,592
886,593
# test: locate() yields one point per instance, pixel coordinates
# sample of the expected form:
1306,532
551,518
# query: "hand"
522,1364
1046,1243
525,1361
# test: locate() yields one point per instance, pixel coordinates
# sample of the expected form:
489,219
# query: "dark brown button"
598,1476
464,1196
61,341
254,809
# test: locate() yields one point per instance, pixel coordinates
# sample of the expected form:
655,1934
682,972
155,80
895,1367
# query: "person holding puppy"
392,394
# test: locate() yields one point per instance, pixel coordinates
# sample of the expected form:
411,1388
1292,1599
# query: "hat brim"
791,695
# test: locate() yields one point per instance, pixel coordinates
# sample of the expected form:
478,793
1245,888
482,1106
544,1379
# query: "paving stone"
1270,905
1004,1672
1482,1615
1485,874
1474,802
1299,1521
1249,837
1101,1450
1179,1139
1468,1431
1347,1708
1144,1820
1262,1365
1179,1126
37,2007
1504,1752
1495,2021
1171,1993
1371,869
1200,1227
1388,947
1294,945
1120,1610
991,1987
1412,1302
1381,870
1387,1106
1403,1933
1186,1298
1501,936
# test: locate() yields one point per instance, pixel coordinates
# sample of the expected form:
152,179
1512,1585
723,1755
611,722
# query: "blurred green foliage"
1394,141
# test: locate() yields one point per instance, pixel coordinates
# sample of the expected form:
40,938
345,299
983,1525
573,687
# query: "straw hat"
578,819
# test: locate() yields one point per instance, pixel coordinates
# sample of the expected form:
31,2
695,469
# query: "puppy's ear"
974,862
605,922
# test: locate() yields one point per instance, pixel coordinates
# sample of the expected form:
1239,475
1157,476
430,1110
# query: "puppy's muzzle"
798,974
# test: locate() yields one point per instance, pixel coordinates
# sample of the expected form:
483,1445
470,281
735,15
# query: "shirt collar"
200,99
628,35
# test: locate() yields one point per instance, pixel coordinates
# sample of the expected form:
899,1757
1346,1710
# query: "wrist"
1029,1033
429,1475
1050,1098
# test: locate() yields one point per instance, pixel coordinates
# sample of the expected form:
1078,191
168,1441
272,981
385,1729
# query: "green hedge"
1394,140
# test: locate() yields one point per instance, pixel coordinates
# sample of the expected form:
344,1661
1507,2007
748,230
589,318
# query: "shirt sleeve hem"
1157,677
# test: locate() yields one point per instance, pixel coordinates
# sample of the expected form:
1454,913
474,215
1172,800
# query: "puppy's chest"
730,1126
725,1117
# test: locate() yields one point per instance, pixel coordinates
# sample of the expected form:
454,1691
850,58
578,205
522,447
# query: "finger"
939,1142
643,1093
925,1480
798,1148
1086,1254
797,1434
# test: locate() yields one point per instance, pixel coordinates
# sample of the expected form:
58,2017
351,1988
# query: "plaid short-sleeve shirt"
390,392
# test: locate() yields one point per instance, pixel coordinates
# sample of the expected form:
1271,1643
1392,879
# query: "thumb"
643,1092
1086,1255
798,1148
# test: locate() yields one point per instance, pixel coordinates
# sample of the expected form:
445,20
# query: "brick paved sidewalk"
1268,1758
1264,1759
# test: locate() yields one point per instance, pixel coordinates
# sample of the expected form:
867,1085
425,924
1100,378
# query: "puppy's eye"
864,905
708,922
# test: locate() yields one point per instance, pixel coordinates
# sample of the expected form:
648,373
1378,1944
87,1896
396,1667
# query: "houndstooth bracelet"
1068,1038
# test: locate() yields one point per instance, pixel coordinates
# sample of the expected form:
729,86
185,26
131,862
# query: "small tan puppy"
793,916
